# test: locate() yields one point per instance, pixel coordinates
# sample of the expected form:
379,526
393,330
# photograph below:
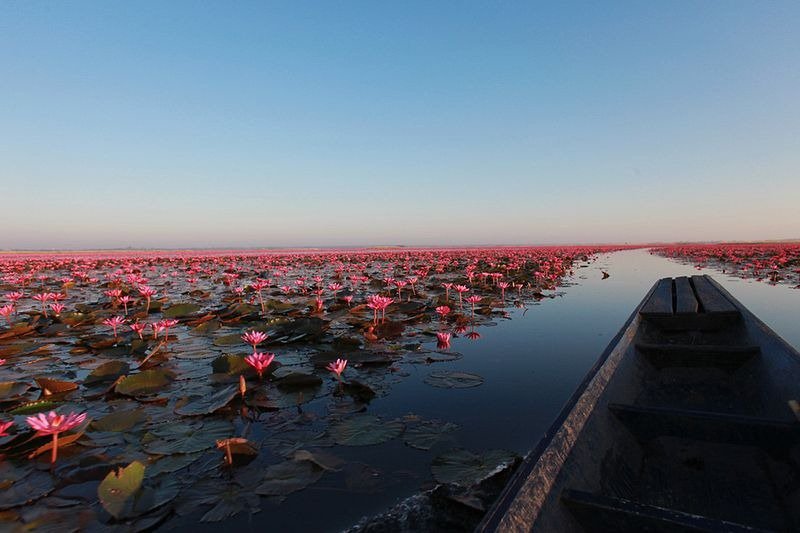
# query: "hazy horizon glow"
185,125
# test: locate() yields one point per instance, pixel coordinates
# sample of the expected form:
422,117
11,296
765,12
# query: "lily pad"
108,371
365,430
25,490
55,386
187,438
181,310
446,379
119,420
31,408
228,340
427,434
116,491
465,468
287,477
207,404
143,383
298,380
229,364
12,390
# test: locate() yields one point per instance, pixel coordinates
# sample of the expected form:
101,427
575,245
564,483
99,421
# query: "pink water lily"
337,367
138,328
4,428
53,423
259,361
443,340
254,338
473,300
6,311
114,323
443,311
461,289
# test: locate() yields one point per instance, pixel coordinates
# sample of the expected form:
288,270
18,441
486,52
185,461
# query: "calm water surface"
531,363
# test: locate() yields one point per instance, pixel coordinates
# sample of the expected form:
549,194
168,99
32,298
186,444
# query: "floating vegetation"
201,386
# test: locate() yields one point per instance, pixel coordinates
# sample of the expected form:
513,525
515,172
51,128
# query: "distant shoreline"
371,247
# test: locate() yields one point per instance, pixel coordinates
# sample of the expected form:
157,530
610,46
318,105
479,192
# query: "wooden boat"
688,422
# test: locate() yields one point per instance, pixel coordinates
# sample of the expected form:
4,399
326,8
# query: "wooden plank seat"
647,423
688,303
697,355
598,513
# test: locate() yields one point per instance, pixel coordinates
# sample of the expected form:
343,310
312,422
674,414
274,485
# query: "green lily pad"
465,468
365,430
287,477
11,390
446,379
108,371
143,383
207,327
119,420
181,310
229,364
207,404
31,408
228,340
298,380
25,490
427,434
116,491
187,438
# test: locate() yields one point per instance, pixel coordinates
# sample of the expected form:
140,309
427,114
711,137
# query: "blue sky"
174,124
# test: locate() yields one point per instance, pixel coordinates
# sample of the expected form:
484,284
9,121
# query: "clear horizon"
248,125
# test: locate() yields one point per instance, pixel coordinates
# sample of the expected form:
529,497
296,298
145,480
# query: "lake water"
531,364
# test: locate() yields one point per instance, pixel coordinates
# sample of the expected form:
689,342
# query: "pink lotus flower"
43,298
6,311
460,289
443,311
254,338
52,424
337,367
4,428
125,301
114,323
2,362
138,328
443,340
166,324
473,300
57,307
14,296
503,286
148,293
259,361
348,299
157,328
